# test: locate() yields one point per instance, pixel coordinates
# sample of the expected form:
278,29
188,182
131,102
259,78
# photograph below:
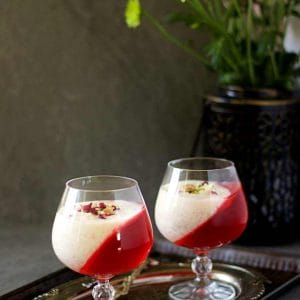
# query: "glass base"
103,291
215,290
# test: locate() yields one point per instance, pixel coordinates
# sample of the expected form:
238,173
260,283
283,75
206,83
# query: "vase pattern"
263,141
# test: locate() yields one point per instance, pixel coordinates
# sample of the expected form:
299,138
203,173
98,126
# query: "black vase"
260,131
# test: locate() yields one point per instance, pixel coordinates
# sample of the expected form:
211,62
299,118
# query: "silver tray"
153,279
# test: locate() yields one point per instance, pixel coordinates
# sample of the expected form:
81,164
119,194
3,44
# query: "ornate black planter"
260,132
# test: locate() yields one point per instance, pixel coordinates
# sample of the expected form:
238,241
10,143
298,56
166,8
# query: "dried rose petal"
214,193
102,216
86,208
102,205
94,211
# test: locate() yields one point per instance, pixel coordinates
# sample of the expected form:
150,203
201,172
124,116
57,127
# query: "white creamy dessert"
77,234
183,206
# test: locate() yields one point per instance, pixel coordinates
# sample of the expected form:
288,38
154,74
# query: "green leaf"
245,44
214,50
185,18
133,13
203,14
266,43
296,72
296,13
229,78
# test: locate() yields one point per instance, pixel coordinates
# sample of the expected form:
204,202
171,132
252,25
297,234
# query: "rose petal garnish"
100,209
102,205
86,208
94,211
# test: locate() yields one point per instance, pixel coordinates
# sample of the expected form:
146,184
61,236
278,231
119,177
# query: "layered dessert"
201,214
102,238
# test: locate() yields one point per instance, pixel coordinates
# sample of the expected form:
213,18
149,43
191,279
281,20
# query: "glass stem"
202,267
103,290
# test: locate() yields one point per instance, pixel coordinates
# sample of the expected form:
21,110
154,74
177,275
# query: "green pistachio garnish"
195,188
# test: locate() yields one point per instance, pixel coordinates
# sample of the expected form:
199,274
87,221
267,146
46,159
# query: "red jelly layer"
123,250
224,226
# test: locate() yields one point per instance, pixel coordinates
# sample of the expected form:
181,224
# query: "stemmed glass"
201,206
101,229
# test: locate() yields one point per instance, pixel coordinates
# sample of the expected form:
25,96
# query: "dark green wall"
81,94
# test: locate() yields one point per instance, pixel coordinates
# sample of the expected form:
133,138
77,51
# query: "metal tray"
156,277
152,280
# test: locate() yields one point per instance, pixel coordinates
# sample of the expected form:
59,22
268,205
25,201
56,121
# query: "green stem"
274,64
248,41
176,41
231,64
237,8
240,16
204,15
218,7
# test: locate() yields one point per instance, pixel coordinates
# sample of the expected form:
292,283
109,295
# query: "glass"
101,229
201,206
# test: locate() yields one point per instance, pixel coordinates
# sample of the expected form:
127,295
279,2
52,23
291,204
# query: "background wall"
81,94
